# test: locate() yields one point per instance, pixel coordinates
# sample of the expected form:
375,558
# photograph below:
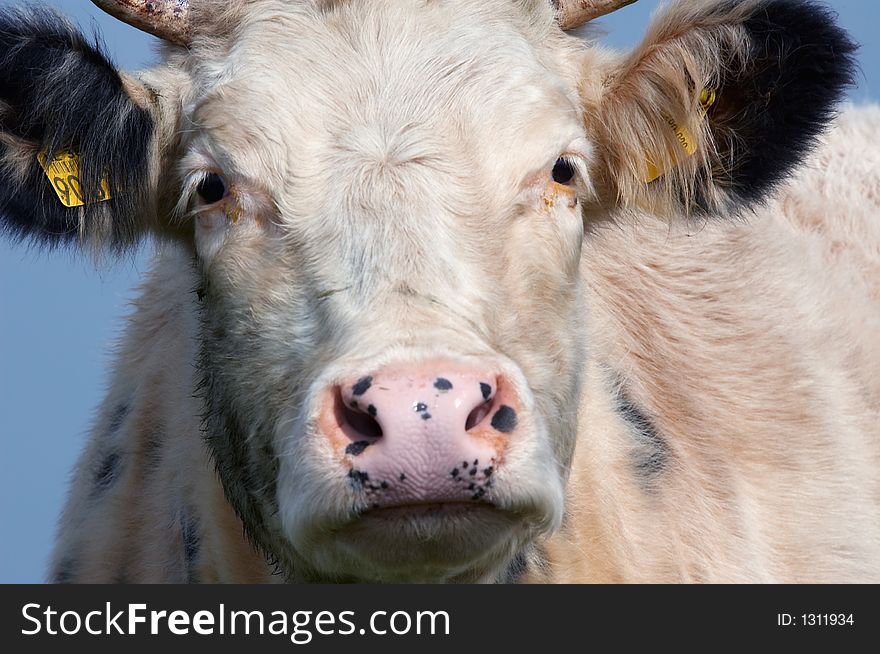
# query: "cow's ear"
76,138
718,104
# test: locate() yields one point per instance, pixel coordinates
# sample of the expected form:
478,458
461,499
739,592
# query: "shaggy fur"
777,66
692,406
58,91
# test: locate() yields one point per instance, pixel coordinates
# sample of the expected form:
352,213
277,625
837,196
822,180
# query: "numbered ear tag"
686,141
63,173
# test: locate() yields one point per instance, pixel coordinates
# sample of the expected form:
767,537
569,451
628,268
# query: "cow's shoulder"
727,331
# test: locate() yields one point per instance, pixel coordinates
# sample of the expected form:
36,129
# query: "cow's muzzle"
421,435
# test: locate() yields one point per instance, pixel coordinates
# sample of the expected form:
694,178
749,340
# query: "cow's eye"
211,189
563,171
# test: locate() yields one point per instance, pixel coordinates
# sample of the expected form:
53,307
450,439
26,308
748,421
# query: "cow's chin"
421,543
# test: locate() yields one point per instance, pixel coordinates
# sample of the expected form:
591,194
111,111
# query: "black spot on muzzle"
504,419
362,386
357,447
443,384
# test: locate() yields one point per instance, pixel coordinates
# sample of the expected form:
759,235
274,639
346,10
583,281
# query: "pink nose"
424,434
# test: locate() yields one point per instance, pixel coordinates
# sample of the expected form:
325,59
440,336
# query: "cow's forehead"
302,91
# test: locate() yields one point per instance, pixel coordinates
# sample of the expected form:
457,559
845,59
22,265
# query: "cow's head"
385,202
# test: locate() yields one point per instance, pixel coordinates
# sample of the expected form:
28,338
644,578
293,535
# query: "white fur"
390,199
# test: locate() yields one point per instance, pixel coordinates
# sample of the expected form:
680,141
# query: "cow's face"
389,231
386,202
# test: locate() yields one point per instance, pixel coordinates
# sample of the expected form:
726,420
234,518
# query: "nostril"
489,394
360,423
477,416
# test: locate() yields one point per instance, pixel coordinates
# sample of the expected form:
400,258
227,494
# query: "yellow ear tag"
686,140
63,173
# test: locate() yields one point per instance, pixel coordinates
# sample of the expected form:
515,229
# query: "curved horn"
167,19
574,13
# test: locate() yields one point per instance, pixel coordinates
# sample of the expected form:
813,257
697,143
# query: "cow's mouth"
427,511
434,517
429,540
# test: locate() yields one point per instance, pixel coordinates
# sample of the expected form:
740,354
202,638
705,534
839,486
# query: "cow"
443,293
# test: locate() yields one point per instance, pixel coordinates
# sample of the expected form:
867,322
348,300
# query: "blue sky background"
59,316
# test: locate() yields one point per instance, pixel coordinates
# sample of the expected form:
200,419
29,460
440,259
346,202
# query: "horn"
574,13
167,19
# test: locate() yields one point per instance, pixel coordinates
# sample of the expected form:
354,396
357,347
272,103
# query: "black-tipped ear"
720,103
772,106
60,93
